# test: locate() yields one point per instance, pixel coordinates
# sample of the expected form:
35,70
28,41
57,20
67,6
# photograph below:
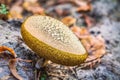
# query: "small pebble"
98,32
116,41
6,37
92,32
107,41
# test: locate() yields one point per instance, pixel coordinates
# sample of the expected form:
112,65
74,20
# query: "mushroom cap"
53,40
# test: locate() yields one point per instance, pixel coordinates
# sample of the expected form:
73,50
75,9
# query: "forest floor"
106,21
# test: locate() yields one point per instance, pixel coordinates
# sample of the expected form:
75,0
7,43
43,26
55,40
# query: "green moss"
3,9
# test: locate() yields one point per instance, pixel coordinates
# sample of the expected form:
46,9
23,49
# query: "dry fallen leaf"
68,20
15,11
96,49
75,2
89,21
79,2
19,59
83,5
87,7
14,15
76,29
5,48
33,7
80,32
95,45
3,17
6,2
12,66
13,62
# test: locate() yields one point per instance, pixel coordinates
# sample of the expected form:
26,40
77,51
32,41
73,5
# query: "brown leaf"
86,44
68,20
12,62
14,15
95,45
76,29
12,66
33,7
89,21
79,2
6,2
97,48
5,48
84,7
80,32
24,60
16,10
3,17
75,2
